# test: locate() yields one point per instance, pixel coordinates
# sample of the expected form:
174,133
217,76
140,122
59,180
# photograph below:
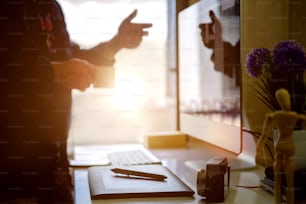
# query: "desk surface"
242,183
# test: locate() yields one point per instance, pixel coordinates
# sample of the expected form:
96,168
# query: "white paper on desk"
248,178
83,152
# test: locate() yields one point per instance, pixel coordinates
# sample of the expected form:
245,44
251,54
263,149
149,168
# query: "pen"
139,173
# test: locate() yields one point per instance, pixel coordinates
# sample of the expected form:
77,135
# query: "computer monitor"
210,76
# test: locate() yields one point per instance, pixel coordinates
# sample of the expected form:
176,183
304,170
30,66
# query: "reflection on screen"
210,73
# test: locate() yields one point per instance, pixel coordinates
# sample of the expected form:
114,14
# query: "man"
39,66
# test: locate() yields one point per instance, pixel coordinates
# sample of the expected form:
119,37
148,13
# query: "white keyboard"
132,157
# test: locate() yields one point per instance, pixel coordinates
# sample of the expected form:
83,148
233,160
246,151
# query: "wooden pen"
139,174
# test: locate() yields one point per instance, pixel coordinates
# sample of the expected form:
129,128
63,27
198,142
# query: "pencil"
138,173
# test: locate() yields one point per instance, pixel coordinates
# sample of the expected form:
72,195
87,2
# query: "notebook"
104,184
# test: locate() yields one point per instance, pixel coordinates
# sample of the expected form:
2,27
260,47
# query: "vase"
299,139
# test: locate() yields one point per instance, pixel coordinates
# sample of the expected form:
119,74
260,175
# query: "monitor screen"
210,72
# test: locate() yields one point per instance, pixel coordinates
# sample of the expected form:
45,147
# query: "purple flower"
288,57
257,60
282,67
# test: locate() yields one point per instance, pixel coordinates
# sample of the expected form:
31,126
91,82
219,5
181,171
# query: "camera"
213,182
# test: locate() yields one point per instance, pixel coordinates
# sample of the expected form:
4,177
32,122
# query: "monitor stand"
243,161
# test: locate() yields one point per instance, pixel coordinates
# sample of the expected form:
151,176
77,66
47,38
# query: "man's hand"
130,34
74,73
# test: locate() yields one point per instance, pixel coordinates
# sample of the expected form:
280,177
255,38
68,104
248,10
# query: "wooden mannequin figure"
285,121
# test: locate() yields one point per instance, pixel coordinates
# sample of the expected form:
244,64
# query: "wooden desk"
175,160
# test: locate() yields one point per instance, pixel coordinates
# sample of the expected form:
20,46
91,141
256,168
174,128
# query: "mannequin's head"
283,98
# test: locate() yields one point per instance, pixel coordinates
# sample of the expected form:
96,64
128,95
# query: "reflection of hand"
211,32
130,34
74,73
217,25
207,34
212,16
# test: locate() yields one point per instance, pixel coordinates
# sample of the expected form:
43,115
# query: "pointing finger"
131,16
145,33
144,25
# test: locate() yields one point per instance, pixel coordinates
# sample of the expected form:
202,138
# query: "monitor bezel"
237,149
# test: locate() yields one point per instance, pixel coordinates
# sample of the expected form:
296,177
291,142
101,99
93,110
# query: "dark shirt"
34,109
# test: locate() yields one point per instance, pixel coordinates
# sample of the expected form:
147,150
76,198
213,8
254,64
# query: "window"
139,102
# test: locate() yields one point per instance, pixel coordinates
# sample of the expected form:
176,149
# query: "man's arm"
24,66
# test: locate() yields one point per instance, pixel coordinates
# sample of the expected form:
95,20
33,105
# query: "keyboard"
132,157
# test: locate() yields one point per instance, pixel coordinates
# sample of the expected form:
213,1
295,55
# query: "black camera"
213,182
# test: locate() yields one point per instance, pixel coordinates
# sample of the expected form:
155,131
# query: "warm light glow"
128,95
130,108
92,22
87,21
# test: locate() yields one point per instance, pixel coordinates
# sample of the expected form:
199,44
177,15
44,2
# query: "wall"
297,20
263,23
